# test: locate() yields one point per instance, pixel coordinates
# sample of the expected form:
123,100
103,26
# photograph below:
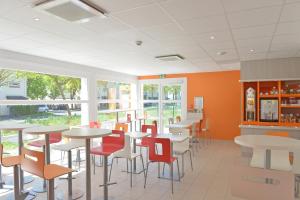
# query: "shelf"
290,95
290,106
269,96
290,124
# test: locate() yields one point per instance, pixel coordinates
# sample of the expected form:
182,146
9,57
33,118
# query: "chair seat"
41,143
105,150
172,159
11,161
123,154
68,146
52,171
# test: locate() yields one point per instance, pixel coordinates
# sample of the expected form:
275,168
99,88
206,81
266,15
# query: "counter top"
270,127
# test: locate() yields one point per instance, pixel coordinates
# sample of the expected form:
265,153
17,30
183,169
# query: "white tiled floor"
210,179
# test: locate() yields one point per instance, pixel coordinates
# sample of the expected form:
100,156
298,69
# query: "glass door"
163,100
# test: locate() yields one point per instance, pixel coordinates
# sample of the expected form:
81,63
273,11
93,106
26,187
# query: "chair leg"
171,174
158,169
142,159
146,175
94,163
163,172
50,191
191,159
112,162
16,183
178,170
131,173
127,165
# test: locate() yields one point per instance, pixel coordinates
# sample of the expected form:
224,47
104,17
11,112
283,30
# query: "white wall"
18,61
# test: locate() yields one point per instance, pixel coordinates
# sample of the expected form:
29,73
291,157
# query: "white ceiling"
271,28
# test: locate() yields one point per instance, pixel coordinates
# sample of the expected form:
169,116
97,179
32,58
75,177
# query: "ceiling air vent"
70,10
170,58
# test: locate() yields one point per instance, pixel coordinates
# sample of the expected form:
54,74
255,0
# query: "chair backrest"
165,154
281,134
171,121
178,119
154,122
127,147
118,138
122,127
182,132
33,162
55,137
152,128
95,124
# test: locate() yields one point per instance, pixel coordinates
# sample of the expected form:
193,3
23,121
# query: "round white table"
46,131
268,143
19,127
87,134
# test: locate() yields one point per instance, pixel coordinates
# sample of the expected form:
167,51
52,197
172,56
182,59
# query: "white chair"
206,130
180,149
128,154
69,146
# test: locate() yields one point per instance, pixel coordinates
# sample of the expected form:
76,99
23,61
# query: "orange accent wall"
222,99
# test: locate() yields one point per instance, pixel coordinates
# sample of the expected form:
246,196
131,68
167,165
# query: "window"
40,98
114,97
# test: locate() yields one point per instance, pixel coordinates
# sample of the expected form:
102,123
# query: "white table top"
86,133
183,124
42,130
15,126
268,142
138,135
174,138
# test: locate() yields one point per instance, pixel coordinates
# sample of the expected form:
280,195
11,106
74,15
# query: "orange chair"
94,124
122,127
13,161
178,119
34,162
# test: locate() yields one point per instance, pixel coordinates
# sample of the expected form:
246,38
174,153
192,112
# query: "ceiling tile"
218,36
190,53
175,42
105,25
205,25
218,45
189,9
12,28
262,16
238,5
290,12
257,44
164,31
117,5
285,43
252,32
144,16
10,5
231,55
288,28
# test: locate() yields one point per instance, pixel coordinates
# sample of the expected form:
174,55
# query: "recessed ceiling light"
251,50
221,53
36,19
212,37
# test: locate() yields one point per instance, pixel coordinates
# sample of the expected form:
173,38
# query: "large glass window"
113,97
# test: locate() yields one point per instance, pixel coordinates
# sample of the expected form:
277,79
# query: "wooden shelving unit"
288,95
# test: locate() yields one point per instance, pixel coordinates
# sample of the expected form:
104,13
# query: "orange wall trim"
222,99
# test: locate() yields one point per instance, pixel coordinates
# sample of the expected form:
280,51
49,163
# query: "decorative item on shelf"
261,93
267,93
250,104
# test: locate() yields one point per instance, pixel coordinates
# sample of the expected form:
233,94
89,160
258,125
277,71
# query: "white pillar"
88,92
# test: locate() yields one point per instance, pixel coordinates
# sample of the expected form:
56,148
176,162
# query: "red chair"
53,138
94,124
165,156
110,144
144,141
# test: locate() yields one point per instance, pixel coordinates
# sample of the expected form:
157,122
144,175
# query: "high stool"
13,161
34,162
